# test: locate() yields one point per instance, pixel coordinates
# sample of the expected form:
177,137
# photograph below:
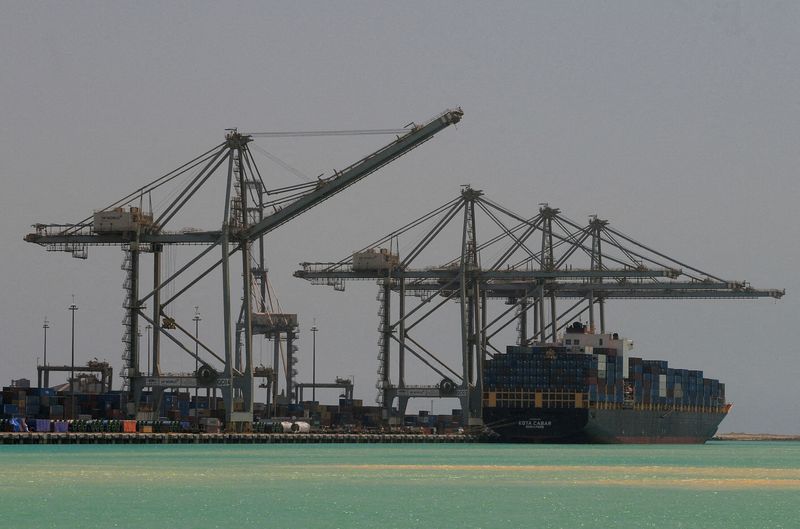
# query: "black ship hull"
596,425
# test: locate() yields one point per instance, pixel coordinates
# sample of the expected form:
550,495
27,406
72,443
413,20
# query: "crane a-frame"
246,219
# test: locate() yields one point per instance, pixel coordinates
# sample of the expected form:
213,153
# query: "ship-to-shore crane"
246,219
537,260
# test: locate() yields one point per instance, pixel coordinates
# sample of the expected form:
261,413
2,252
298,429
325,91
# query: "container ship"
587,388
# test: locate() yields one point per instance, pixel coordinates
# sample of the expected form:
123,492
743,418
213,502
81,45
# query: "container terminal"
537,262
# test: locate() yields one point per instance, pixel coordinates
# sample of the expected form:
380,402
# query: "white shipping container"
662,385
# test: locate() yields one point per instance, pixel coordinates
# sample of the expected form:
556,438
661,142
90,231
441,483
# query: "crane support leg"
276,367
132,316
601,302
289,364
402,405
227,393
401,355
386,346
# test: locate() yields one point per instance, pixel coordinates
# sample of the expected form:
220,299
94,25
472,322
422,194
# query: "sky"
676,121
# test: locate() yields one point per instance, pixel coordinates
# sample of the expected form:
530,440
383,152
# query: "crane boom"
328,187
67,236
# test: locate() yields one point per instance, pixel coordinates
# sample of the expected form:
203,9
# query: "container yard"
44,413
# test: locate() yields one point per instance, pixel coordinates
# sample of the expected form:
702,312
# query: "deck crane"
539,259
246,219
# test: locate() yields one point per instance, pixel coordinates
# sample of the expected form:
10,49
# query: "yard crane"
246,219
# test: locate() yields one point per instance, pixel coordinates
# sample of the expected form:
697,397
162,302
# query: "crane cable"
283,164
158,182
310,133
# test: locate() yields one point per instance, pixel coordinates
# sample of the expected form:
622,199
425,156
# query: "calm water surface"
717,485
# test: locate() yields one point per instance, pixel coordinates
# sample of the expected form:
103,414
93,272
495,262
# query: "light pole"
45,326
196,321
314,362
147,329
72,309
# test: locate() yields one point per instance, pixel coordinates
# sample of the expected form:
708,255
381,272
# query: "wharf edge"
16,438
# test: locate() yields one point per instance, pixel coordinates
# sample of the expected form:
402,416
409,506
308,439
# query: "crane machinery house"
120,220
372,259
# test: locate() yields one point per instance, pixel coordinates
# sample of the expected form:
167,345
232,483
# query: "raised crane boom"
328,187
67,237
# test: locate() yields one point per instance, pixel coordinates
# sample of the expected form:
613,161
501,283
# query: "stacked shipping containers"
601,374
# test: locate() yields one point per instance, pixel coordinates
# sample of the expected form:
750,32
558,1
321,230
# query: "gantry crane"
587,263
246,219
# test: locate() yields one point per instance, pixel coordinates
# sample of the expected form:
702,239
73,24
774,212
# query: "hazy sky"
677,121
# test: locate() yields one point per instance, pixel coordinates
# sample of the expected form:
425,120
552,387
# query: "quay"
14,438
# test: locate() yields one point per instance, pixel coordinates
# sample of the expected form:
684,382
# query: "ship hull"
582,425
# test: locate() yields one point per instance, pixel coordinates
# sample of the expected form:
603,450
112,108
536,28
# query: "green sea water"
717,485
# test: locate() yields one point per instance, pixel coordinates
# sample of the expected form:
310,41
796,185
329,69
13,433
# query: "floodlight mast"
137,232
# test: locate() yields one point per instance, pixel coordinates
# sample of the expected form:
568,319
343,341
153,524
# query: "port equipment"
247,217
341,383
279,327
529,262
45,326
93,366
